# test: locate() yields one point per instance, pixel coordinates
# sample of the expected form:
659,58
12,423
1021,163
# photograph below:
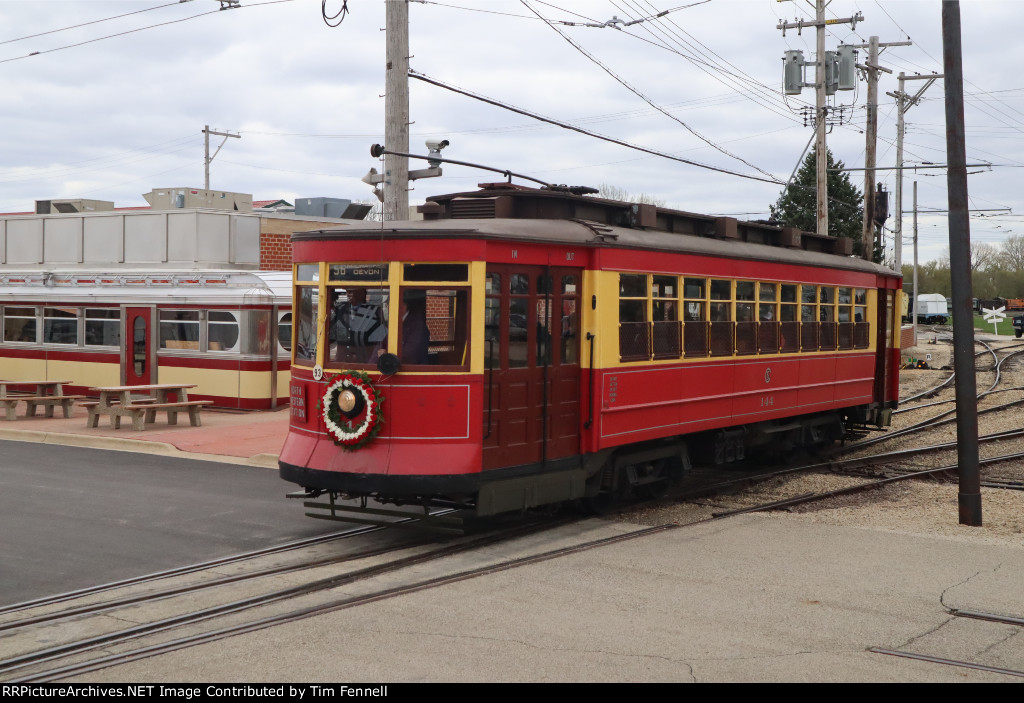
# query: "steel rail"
107,639
860,488
947,662
183,570
991,617
341,604
142,598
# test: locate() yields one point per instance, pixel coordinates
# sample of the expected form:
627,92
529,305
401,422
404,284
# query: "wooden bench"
146,412
66,402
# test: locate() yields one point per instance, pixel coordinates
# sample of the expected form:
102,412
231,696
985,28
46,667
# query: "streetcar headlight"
348,400
351,403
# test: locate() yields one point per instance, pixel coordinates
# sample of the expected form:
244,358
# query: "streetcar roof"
594,234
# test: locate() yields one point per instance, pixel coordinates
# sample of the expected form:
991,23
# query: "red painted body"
442,425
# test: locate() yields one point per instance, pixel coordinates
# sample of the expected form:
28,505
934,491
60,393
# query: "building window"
179,329
284,331
60,326
102,327
222,331
20,325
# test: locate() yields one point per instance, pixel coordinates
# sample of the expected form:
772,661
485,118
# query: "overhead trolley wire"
643,97
139,29
85,24
505,106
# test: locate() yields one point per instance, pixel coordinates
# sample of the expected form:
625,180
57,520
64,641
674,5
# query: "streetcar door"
138,357
531,365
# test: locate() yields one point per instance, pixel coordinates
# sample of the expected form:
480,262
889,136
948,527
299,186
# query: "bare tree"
984,256
610,192
376,212
1011,257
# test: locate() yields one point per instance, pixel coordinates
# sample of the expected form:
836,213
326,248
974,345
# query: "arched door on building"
138,348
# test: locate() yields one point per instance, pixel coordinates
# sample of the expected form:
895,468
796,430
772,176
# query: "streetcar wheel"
668,471
601,504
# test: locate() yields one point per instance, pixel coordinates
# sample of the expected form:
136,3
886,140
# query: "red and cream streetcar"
519,347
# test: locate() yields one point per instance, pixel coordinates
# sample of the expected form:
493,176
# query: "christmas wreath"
351,409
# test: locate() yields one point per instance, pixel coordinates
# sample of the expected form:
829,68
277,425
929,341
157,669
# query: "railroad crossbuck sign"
995,316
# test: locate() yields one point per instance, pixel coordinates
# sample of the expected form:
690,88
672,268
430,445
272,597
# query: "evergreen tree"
797,205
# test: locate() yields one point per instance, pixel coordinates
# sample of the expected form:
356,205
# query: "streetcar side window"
789,319
695,325
746,317
721,330
634,329
666,333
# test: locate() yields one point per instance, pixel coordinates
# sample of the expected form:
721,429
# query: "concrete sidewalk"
231,436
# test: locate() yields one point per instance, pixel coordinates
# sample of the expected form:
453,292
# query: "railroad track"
177,615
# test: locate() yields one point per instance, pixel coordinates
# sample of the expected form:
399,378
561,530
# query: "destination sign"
359,272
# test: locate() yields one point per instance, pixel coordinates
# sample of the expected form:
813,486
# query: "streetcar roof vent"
479,208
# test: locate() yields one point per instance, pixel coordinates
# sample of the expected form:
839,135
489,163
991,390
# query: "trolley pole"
396,111
969,497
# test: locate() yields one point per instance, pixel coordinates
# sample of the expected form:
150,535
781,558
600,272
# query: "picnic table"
49,394
125,401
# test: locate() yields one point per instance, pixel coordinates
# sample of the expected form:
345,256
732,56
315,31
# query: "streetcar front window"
357,325
434,329
307,299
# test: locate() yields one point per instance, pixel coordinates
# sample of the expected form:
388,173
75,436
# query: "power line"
85,24
139,29
506,106
643,97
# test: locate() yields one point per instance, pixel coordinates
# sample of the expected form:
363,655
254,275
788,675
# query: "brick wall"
907,337
275,252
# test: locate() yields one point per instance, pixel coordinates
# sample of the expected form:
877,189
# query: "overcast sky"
113,118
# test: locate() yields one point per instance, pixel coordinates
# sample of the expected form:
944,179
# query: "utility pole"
826,79
914,299
871,70
207,159
903,103
396,111
968,463
819,110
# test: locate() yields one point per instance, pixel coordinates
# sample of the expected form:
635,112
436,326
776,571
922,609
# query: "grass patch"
1005,326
